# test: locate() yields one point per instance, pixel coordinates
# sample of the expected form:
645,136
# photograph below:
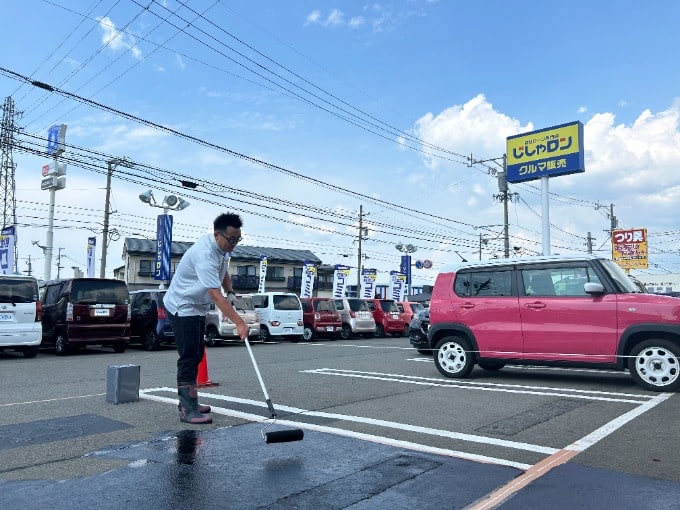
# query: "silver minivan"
356,317
219,327
20,314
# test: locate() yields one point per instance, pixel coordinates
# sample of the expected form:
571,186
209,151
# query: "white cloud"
117,40
356,22
582,109
313,17
335,18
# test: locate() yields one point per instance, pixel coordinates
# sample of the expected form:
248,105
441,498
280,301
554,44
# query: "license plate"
330,328
5,317
101,312
287,330
395,315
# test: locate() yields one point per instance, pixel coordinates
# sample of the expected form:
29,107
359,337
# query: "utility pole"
59,266
361,234
110,167
589,243
8,203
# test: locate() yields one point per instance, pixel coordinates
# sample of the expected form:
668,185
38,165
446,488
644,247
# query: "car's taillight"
38,311
300,323
69,312
275,323
352,314
160,312
317,316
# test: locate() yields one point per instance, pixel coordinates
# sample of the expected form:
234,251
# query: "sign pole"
545,210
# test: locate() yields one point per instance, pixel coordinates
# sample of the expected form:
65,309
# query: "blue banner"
163,247
91,245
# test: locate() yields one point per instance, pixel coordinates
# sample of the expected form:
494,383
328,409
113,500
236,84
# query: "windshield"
622,280
358,305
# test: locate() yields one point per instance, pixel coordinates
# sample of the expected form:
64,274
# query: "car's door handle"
537,304
467,305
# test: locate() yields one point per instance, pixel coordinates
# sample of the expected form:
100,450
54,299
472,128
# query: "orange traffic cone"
203,381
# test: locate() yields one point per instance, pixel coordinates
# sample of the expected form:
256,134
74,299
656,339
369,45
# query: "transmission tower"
8,203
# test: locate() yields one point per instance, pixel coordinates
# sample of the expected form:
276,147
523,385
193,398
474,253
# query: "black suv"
149,323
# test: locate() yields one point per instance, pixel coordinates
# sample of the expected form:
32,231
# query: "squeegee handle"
259,378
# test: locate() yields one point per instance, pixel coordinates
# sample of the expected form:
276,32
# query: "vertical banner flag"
91,246
263,273
340,280
7,241
308,276
163,247
368,278
405,268
397,286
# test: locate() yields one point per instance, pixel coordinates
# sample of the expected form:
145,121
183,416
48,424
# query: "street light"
405,267
163,231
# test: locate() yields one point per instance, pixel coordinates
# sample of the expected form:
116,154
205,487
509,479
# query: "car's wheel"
61,345
379,331
211,336
31,351
119,347
308,333
426,352
346,332
490,365
406,330
655,365
453,357
150,341
264,334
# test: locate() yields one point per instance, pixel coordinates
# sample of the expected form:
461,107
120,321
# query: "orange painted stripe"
534,472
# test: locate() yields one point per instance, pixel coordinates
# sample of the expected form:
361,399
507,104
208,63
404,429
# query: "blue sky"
313,109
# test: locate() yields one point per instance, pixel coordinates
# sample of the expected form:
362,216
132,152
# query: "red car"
387,317
408,310
320,318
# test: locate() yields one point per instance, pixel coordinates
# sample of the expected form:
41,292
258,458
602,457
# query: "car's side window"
483,283
558,281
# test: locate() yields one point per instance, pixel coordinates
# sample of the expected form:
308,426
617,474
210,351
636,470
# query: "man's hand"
243,330
231,297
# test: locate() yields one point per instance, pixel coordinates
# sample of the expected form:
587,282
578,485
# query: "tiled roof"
134,246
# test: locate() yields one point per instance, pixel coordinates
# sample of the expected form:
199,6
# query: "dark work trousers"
190,346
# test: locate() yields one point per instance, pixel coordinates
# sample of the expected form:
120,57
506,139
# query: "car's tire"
655,365
31,351
61,345
346,333
491,366
150,341
119,348
264,334
453,357
379,331
308,333
211,336
426,352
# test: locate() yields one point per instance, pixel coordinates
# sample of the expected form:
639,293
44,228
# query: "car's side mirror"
593,288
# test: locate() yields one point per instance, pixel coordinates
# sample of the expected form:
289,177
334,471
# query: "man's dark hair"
227,220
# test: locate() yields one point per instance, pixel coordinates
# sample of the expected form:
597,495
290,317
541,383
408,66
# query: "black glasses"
230,240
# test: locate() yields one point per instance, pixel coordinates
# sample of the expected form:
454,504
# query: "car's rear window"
358,305
18,290
286,303
89,292
389,306
339,304
325,306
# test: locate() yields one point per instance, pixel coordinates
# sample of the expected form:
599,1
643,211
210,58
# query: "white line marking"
347,433
50,400
484,386
381,423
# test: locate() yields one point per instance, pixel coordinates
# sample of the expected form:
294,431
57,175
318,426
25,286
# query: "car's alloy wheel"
61,345
307,333
346,332
379,331
150,342
655,365
264,334
211,337
453,357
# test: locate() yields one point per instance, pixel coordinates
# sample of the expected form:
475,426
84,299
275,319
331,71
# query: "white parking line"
631,398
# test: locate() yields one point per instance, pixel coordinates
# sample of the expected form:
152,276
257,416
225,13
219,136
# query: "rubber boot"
188,399
203,409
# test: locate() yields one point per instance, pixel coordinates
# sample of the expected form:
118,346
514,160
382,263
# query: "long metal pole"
361,228
105,234
47,272
506,197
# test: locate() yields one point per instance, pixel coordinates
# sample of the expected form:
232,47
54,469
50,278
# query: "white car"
20,314
218,327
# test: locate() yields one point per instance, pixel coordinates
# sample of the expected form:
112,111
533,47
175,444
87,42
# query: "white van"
219,327
20,314
280,315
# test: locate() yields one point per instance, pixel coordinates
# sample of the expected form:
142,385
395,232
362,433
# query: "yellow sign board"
629,248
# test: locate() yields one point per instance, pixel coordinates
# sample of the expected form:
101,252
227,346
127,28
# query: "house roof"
135,246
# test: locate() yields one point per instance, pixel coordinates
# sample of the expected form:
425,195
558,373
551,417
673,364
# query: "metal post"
47,272
545,206
361,229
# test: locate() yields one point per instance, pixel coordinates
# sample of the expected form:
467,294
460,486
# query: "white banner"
7,242
91,246
368,277
308,276
340,278
263,273
397,290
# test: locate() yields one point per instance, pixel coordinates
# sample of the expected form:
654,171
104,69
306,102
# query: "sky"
301,115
